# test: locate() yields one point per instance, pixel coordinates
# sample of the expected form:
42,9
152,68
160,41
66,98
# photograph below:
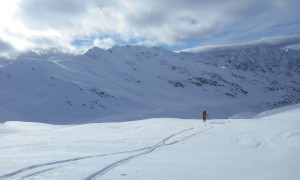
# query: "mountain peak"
95,53
125,51
147,82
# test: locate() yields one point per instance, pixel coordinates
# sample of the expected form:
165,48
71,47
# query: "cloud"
54,13
105,43
5,48
59,23
279,42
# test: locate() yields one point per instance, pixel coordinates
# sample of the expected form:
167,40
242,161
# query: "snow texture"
266,147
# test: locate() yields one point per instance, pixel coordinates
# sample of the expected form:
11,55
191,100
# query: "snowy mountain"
266,147
136,82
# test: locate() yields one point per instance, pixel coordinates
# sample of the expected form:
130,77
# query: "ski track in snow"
42,171
106,169
61,162
151,149
293,134
37,173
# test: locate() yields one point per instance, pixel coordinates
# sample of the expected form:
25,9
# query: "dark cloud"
5,47
279,42
156,14
42,53
180,20
147,19
105,3
6,50
53,13
61,13
157,22
282,41
43,41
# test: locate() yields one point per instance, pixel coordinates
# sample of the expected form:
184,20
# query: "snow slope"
135,82
264,148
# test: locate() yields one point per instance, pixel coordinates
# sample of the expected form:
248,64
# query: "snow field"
262,148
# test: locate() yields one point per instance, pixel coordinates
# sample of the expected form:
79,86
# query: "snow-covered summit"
136,82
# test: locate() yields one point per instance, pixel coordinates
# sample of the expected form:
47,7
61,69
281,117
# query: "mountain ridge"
132,82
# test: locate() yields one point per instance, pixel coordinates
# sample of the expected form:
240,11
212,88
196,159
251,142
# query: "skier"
204,115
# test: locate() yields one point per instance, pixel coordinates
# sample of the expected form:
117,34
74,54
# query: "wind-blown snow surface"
135,82
264,148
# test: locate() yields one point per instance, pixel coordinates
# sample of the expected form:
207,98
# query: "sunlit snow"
265,147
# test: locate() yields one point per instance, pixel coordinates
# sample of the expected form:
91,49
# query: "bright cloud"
105,43
27,24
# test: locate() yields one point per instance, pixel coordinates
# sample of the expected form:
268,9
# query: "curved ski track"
111,166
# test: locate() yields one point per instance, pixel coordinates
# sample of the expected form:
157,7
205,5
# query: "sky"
77,25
